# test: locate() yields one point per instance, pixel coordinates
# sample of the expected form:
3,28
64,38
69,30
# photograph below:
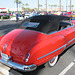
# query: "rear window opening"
31,24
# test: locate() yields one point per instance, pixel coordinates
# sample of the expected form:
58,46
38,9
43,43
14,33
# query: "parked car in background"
73,20
0,16
14,18
39,39
68,15
73,15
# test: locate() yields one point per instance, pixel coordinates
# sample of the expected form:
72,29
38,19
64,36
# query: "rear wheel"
53,61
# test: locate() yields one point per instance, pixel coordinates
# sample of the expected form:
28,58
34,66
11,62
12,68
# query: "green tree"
49,5
16,1
35,9
52,6
62,7
19,2
40,6
22,4
23,8
26,4
55,6
72,7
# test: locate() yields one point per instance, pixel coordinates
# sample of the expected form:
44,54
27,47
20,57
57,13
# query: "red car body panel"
54,42
19,44
35,43
46,47
73,21
41,47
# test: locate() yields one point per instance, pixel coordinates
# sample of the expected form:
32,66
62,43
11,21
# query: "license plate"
4,57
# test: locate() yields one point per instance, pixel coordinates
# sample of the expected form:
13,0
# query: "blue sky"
33,3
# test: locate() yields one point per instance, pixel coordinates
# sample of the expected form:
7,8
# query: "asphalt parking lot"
65,65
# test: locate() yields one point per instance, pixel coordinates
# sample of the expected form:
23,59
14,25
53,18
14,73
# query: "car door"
70,35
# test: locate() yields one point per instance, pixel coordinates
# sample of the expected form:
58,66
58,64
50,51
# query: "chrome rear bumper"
24,68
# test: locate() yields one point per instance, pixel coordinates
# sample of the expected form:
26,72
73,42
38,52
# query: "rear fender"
40,54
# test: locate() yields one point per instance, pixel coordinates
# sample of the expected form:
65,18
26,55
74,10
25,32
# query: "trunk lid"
19,42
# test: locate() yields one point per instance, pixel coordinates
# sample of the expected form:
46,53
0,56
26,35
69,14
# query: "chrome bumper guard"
24,68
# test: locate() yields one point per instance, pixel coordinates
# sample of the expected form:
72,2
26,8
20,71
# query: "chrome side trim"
53,51
60,30
65,28
56,49
20,67
71,40
53,32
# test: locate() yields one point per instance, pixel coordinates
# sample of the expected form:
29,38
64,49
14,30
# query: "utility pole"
46,5
17,12
38,5
66,5
70,5
60,6
17,5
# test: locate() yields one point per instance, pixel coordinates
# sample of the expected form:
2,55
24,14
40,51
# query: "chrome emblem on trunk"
4,48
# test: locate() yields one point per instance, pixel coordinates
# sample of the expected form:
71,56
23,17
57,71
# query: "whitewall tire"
53,61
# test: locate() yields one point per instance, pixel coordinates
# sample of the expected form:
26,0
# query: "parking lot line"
67,68
3,70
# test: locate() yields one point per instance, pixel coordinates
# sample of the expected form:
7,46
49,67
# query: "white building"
4,10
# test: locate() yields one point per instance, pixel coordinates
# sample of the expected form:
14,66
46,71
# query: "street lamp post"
60,5
17,12
17,5
46,5
70,5
38,5
66,5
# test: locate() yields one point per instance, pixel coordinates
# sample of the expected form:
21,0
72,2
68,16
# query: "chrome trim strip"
56,49
71,40
27,57
19,66
65,28
53,32
53,51
61,29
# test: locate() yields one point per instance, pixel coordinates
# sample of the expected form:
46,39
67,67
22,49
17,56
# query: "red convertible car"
38,40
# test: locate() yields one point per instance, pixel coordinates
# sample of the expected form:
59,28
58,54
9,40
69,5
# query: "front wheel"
53,61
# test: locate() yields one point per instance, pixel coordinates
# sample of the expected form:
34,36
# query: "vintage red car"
38,40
